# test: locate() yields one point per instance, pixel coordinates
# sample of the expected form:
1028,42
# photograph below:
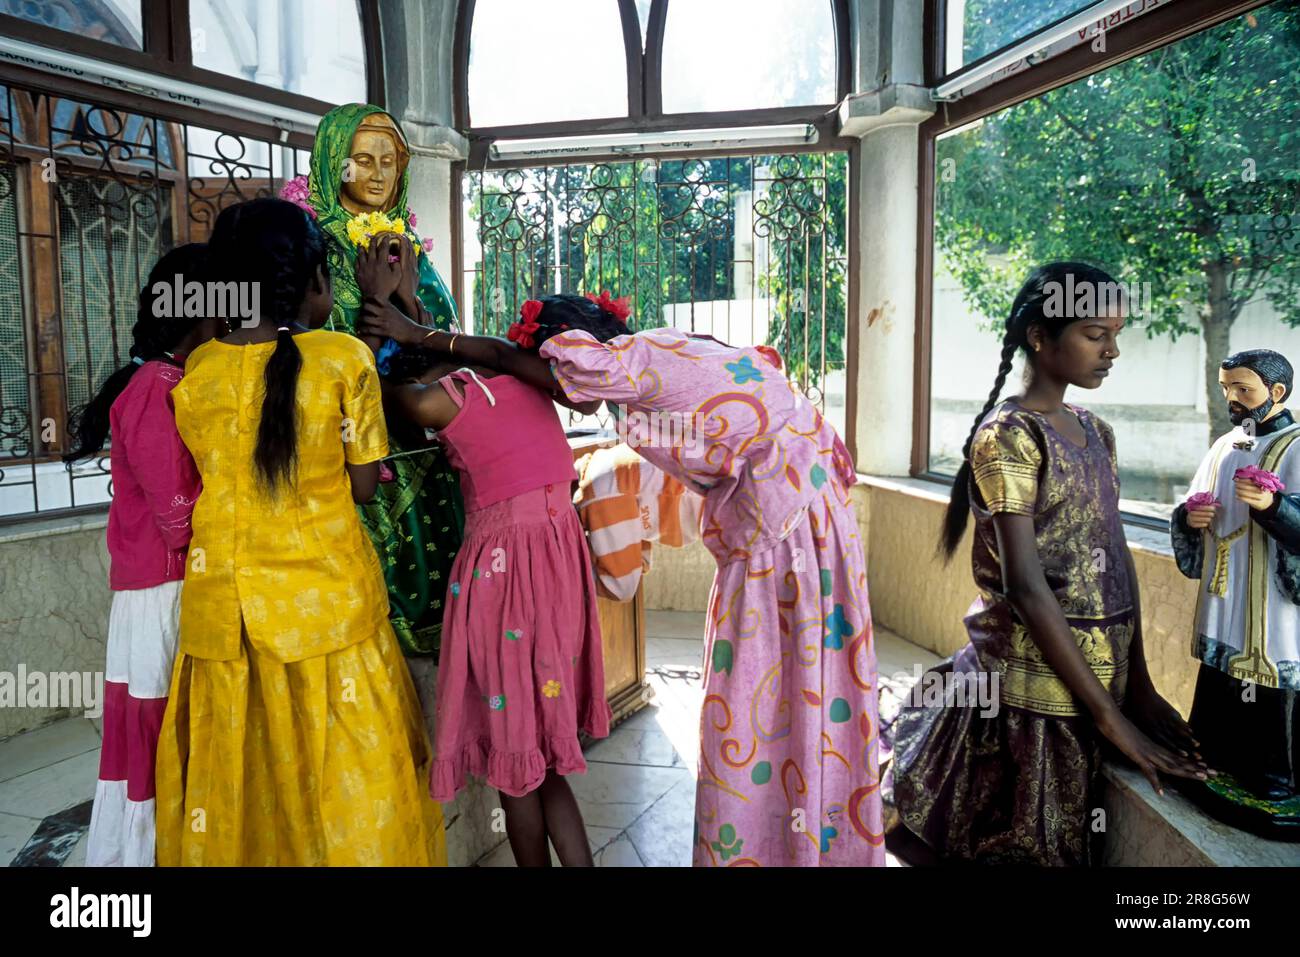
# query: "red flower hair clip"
618,308
771,355
522,332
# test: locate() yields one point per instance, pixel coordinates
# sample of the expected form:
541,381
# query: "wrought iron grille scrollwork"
751,249
90,196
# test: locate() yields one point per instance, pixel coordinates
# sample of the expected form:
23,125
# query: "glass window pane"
976,28
1177,172
316,49
532,62
747,54
112,21
643,15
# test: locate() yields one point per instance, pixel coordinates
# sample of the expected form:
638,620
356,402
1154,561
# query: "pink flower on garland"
1202,500
1263,478
427,244
296,191
410,218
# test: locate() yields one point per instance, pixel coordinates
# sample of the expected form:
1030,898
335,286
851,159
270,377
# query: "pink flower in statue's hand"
385,473
1261,477
296,191
1202,500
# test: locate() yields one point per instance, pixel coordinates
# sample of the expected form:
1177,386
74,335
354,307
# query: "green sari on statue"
416,520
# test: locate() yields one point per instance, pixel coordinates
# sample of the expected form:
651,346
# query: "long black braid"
152,337
1027,310
275,244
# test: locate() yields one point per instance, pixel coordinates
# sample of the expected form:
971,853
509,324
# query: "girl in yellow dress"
293,733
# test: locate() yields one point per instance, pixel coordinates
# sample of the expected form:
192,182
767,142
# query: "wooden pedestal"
622,625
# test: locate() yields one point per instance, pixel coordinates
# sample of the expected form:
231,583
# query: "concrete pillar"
885,115
270,70
418,72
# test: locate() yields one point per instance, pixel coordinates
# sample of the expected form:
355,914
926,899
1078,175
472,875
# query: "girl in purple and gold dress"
1057,629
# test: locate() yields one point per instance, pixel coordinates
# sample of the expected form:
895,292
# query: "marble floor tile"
15,832
51,789
499,856
675,624
675,652
597,837
663,834
620,853
645,746
33,750
615,795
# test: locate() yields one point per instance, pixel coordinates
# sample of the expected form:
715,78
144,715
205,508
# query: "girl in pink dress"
520,670
155,485
788,770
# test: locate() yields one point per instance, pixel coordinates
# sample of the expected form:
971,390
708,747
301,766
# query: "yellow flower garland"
365,225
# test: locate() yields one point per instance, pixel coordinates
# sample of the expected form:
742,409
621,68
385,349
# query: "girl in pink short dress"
520,672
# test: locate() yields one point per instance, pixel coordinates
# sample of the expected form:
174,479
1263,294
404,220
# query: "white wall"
1155,399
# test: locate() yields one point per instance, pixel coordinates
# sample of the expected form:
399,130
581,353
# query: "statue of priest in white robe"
1239,534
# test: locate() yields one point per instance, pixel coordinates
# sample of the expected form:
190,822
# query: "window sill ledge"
1140,537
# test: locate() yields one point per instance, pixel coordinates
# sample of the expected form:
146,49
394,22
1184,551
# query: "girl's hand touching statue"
383,320
376,276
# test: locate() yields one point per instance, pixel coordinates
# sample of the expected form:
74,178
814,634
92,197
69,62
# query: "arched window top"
315,49
533,62
631,63
747,55
120,22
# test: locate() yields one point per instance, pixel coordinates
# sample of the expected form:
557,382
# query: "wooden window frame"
167,53
645,84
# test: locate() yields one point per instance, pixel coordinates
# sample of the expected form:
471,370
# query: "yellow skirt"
318,762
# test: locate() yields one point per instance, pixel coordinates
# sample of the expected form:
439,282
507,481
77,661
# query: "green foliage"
665,234
1167,169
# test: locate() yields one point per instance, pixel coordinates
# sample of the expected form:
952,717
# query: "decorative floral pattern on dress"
551,689
837,629
744,371
728,844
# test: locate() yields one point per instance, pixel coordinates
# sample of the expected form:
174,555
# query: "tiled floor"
637,797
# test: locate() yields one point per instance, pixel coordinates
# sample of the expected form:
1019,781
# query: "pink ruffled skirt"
521,670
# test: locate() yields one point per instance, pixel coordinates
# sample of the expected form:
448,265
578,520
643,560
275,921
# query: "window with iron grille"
749,249
90,197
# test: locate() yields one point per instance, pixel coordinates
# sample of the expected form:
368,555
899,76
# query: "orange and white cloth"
626,504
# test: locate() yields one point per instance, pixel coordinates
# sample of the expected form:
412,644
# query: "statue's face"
373,169
1247,395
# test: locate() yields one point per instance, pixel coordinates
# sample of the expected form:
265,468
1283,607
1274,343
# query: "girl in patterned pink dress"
788,770
520,670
